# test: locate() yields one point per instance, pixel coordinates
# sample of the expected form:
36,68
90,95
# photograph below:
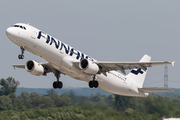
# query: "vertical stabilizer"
138,75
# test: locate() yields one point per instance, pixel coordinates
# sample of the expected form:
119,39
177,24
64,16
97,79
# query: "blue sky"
119,30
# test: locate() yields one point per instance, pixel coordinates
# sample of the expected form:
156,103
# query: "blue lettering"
48,39
40,34
76,53
66,49
82,56
54,41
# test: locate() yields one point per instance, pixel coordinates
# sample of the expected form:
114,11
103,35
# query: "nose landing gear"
21,56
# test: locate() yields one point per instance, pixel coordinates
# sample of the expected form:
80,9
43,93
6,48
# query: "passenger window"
16,25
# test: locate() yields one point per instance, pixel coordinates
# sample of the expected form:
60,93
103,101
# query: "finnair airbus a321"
64,59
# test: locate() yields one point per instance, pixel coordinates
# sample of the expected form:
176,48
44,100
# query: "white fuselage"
61,56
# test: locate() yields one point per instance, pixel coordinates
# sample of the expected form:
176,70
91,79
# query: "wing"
154,90
122,66
47,67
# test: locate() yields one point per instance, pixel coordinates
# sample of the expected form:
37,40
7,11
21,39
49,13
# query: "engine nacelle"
89,67
34,68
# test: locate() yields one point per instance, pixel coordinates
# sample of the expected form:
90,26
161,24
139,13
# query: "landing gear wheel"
55,85
21,56
95,84
91,84
60,85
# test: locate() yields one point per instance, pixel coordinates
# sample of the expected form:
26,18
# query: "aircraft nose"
9,32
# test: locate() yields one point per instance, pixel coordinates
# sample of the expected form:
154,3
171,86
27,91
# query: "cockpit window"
16,25
22,27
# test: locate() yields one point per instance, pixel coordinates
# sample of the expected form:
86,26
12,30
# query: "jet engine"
89,67
34,68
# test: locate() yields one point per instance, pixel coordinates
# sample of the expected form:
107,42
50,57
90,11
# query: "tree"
62,100
46,102
35,99
5,103
51,92
8,86
123,102
23,101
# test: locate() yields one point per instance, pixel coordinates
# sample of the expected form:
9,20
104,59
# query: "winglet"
14,67
173,63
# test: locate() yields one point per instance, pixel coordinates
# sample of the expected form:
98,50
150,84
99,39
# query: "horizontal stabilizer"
154,90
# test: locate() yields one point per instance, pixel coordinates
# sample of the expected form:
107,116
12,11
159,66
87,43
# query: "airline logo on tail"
136,72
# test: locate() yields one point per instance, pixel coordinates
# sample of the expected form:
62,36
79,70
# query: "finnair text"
60,45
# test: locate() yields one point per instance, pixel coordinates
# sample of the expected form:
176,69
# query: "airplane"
64,59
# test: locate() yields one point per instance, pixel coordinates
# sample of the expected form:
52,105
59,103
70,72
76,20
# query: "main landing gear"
93,83
21,56
57,84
